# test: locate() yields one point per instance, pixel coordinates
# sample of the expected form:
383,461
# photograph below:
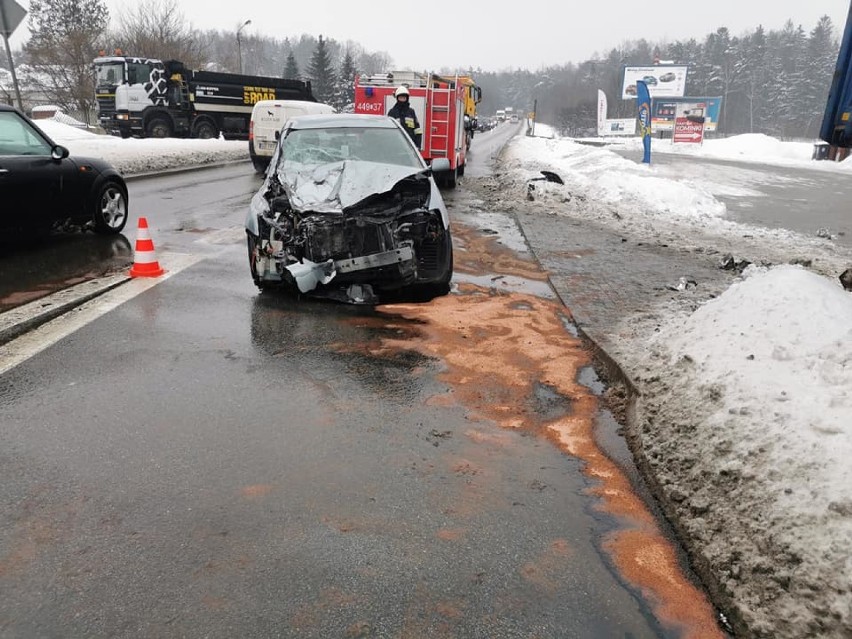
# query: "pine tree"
344,88
291,68
321,72
64,39
820,63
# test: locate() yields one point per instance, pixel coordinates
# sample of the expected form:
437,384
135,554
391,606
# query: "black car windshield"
313,147
17,137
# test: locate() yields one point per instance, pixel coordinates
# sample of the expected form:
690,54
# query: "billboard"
663,80
666,110
625,126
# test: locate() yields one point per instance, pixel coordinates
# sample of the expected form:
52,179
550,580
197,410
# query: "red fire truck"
439,104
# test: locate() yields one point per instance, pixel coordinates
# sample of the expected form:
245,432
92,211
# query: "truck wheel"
158,128
205,130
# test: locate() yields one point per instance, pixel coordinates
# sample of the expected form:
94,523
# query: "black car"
42,187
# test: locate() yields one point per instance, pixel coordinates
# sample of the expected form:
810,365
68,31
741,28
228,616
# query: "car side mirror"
59,152
440,164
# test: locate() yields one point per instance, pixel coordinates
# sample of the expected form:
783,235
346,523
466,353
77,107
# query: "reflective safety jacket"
408,119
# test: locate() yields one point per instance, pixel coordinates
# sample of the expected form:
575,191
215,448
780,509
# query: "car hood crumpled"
335,187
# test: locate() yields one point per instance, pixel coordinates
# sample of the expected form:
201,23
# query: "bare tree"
64,38
158,29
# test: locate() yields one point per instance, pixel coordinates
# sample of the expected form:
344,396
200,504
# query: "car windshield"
17,137
314,147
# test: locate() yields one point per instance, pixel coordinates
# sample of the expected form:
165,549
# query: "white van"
267,118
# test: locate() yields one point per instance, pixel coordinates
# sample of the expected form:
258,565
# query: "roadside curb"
19,320
182,169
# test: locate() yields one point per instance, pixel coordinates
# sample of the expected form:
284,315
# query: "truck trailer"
145,97
439,103
837,122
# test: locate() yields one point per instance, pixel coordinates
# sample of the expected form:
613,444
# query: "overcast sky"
444,33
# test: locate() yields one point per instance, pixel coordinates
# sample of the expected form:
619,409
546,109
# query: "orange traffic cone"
145,263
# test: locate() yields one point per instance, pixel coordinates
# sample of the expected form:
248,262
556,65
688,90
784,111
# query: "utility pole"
239,44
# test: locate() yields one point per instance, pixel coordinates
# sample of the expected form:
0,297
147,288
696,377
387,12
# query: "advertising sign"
688,131
665,111
663,81
602,108
689,123
643,102
620,127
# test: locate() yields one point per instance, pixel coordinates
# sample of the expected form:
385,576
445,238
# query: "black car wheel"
110,208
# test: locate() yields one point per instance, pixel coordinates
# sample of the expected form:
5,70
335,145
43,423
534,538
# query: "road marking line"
22,348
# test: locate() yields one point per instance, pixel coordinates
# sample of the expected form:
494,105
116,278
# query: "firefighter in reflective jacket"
403,112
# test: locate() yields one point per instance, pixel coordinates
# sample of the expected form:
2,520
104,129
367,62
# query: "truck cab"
124,88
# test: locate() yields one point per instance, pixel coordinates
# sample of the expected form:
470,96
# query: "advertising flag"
601,112
643,101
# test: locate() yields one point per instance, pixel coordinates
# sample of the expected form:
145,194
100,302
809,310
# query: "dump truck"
472,97
146,97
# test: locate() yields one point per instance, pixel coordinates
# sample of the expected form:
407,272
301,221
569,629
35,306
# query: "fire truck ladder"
440,94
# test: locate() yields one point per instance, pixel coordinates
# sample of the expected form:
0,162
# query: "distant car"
650,80
267,118
349,210
630,90
668,77
42,186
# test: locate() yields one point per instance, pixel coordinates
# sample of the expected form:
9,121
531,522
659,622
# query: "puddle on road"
521,342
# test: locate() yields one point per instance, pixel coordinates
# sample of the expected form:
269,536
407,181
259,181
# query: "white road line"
21,349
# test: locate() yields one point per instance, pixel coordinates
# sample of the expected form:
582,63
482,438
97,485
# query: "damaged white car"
349,210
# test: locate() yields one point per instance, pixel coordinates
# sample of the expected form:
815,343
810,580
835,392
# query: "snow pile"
134,156
615,181
666,204
750,424
749,147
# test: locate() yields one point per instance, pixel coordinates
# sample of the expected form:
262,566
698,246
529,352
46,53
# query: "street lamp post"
239,44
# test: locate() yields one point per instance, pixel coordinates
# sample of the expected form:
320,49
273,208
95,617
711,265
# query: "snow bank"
749,419
144,155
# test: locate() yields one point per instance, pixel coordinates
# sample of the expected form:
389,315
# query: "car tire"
109,208
251,243
451,178
442,286
158,127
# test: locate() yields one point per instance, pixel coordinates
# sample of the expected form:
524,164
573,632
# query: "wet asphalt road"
219,469
208,461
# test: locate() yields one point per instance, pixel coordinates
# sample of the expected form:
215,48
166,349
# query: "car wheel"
442,286
110,208
158,128
450,179
205,130
251,243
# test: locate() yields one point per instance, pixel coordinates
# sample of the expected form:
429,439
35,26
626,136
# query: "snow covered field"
747,401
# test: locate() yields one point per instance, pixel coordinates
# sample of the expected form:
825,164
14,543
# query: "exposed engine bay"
348,230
